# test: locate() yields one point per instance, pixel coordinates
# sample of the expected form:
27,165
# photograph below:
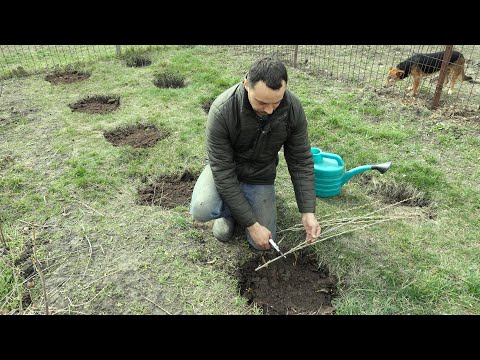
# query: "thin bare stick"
278,242
45,224
37,225
320,239
100,278
362,218
90,255
56,289
69,254
331,222
161,195
366,221
3,239
90,208
370,213
350,209
304,245
69,312
157,305
36,263
89,301
27,279
296,227
154,190
29,223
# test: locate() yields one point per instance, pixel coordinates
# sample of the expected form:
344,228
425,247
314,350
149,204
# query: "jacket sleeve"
220,156
298,156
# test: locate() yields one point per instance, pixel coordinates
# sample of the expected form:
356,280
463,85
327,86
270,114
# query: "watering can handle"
334,157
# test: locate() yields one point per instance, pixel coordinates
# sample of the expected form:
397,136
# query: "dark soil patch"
15,116
206,106
291,286
169,81
96,104
24,262
6,161
66,77
25,272
137,136
168,191
372,119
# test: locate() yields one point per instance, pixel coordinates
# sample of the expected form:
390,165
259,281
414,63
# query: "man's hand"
260,234
312,227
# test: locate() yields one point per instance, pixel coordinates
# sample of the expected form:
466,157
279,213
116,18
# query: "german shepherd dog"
420,65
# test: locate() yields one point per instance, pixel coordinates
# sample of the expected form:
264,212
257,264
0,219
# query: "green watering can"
330,172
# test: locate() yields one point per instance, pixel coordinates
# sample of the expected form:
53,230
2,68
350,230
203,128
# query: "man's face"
264,100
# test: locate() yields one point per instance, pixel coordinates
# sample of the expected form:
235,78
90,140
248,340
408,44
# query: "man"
247,126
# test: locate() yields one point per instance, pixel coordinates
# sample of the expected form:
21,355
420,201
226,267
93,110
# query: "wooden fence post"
119,49
438,91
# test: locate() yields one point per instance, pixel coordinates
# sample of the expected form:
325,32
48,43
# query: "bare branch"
88,207
90,255
157,305
36,263
367,219
3,239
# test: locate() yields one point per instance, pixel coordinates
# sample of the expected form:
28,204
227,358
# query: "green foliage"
6,279
422,176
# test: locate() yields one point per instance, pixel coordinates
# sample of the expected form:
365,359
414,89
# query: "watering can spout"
382,168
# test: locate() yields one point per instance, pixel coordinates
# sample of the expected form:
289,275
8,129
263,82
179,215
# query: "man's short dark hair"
269,70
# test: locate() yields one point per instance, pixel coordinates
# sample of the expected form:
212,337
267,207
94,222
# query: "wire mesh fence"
18,60
364,66
36,58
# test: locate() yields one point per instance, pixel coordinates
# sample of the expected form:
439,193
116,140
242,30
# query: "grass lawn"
69,199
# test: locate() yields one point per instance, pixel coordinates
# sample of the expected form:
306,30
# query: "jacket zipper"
263,132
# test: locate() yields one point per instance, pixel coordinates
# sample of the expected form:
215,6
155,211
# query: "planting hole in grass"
168,80
66,77
392,192
25,272
138,61
288,286
168,191
96,104
137,136
206,106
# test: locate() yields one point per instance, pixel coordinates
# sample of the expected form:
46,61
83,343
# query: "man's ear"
245,84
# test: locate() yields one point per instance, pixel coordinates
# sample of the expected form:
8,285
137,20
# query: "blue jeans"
207,203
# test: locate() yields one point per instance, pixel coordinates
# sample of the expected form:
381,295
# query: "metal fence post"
295,56
119,49
438,91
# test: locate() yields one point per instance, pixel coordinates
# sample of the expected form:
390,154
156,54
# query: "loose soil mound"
288,286
168,191
66,77
97,104
137,136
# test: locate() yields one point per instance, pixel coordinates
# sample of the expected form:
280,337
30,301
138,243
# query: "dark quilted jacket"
243,148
